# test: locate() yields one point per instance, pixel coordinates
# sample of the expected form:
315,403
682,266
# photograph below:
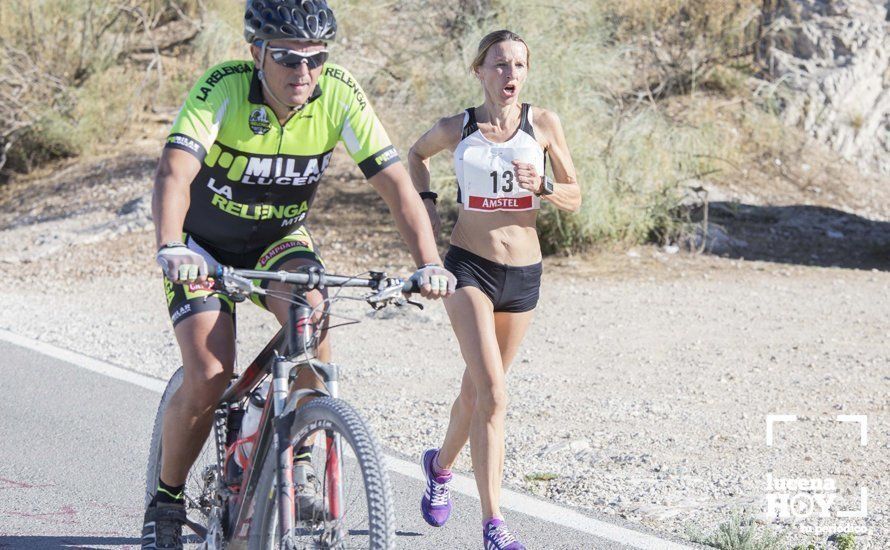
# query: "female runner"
499,151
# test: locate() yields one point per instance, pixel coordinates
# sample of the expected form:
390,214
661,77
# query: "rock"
830,62
716,240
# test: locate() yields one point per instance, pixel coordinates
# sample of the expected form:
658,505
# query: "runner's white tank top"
485,176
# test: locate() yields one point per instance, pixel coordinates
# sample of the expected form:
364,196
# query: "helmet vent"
289,19
312,24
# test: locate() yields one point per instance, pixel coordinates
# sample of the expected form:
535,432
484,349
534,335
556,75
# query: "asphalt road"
72,466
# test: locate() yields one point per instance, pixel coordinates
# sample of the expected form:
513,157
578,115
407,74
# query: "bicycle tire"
334,415
195,484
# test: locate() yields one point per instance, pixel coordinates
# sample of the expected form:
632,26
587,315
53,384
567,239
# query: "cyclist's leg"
205,333
472,317
292,252
207,341
305,378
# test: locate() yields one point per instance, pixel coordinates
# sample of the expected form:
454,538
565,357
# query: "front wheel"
357,509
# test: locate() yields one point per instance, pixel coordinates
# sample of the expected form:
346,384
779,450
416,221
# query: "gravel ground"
641,390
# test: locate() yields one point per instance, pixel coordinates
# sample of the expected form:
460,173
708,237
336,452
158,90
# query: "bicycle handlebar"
240,281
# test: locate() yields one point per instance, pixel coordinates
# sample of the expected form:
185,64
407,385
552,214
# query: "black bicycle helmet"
289,20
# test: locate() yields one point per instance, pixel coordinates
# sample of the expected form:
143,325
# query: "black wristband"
430,195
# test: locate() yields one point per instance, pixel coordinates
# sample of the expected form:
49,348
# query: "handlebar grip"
411,286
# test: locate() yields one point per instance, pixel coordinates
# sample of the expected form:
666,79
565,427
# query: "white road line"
461,484
85,362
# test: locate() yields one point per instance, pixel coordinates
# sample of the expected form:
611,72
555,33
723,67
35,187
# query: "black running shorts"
512,289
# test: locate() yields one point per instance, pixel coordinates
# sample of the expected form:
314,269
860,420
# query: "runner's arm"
170,196
567,195
441,136
438,138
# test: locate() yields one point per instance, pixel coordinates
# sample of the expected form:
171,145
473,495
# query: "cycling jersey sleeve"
362,133
197,124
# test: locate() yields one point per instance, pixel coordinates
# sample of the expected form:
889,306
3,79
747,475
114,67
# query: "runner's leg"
510,329
475,332
458,432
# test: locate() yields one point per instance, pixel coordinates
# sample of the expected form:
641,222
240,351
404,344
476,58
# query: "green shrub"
740,533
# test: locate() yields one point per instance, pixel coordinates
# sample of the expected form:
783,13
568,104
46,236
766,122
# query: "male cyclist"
234,186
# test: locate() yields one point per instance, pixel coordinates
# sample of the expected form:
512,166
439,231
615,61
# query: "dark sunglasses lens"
319,58
292,60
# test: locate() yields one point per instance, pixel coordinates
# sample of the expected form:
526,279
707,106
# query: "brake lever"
236,285
392,293
413,303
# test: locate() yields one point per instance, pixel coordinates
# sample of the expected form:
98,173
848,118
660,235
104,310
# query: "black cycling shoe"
162,527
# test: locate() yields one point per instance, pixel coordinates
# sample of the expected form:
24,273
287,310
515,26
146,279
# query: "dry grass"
593,64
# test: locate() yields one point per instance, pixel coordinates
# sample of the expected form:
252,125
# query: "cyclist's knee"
201,394
207,342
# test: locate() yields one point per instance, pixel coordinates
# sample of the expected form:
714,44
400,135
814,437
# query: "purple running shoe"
436,502
496,536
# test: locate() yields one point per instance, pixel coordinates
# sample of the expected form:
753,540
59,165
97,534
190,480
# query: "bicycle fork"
334,456
285,453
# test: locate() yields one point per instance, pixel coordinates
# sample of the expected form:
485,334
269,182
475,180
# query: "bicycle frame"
274,428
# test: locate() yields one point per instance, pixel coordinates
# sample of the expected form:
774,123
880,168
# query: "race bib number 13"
490,180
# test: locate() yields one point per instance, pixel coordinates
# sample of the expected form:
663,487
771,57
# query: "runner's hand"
527,176
434,281
182,265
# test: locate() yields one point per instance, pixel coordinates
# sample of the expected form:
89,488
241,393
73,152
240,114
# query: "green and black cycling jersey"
258,178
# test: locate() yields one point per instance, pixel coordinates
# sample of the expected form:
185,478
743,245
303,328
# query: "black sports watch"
547,187
432,195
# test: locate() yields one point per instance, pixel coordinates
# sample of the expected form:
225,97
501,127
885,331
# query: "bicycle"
261,511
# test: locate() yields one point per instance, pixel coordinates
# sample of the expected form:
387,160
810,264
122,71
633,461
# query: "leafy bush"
607,68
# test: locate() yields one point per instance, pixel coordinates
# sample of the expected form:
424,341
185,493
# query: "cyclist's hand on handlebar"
434,281
182,265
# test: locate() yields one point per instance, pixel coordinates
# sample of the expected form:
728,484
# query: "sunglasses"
293,59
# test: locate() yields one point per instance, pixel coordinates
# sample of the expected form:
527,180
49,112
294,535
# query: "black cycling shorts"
186,300
512,289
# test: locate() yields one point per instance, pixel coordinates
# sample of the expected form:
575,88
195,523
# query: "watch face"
548,186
